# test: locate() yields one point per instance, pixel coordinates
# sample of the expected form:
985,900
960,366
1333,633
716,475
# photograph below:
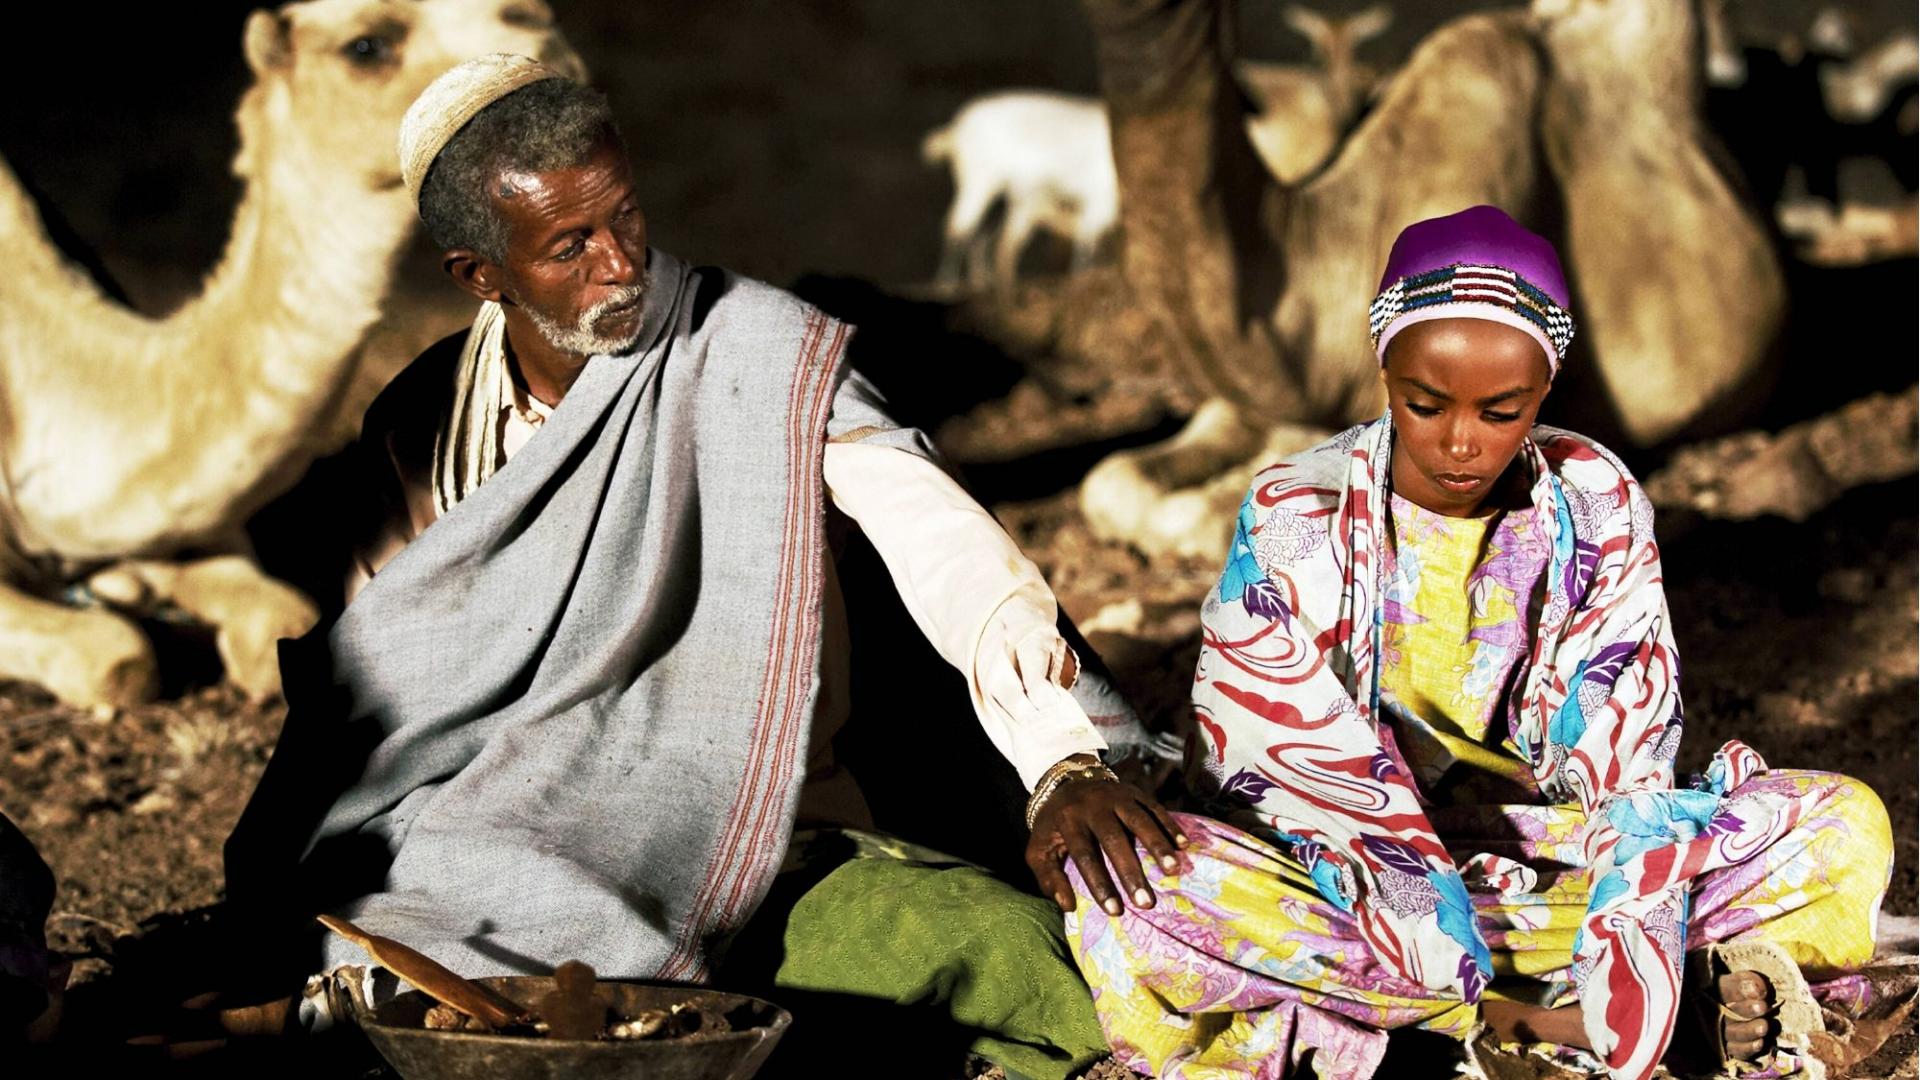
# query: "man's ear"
473,272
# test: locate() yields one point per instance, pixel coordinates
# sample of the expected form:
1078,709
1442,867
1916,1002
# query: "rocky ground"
1800,639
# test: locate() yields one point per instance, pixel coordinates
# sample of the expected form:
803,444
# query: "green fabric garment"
879,953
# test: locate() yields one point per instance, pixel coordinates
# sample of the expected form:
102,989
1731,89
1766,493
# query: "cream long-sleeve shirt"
981,603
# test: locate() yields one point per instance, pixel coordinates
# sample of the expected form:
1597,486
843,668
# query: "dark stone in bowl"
417,1053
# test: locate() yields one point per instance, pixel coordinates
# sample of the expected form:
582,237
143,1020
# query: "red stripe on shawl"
1273,712
1626,1004
786,738
1698,851
682,959
1626,1012
797,563
794,722
1656,868
1230,652
1386,944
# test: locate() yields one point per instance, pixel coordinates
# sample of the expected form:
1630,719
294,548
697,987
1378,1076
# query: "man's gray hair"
551,124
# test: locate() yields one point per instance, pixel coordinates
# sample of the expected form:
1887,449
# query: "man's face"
1464,394
576,252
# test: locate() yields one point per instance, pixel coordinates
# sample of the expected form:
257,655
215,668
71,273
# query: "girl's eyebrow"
1518,391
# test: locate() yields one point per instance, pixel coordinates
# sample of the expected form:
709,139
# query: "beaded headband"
1465,290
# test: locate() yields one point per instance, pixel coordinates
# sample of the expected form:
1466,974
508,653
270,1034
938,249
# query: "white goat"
1047,155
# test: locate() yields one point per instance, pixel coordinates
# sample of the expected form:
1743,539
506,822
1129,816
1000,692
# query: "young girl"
1438,695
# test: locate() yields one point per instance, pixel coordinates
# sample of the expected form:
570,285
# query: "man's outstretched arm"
984,606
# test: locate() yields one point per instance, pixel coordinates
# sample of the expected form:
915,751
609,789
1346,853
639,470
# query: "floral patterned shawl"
1286,699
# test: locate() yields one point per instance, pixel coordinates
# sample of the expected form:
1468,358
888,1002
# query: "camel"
1304,110
133,450
1677,286
1264,286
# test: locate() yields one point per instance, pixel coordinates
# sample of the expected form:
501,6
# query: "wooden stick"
430,977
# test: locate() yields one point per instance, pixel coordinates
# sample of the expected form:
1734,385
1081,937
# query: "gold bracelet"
1067,769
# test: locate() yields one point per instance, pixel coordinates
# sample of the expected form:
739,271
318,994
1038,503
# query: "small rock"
1848,584
157,801
1898,934
1121,617
1791,710
54,815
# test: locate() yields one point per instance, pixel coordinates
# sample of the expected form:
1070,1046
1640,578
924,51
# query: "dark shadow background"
772,138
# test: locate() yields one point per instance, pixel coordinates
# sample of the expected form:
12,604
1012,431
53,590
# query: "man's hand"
1084,818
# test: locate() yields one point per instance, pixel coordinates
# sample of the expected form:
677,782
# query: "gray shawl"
581,697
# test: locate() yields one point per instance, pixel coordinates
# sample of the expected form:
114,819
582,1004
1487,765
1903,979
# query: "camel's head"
1335,37
334,77
1335,40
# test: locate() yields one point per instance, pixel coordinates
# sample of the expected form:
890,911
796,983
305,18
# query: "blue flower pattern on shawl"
1324,871
1453,910
1601,670
1243,580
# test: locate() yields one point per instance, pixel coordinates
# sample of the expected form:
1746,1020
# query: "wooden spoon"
430,977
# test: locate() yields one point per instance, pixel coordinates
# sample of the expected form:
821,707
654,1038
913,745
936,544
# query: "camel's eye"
370,50
526,16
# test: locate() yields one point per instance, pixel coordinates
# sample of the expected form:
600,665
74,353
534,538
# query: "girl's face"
1463,394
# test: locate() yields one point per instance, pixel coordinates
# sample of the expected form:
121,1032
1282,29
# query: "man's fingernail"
1182,839
1142,898
1112,906
1169,862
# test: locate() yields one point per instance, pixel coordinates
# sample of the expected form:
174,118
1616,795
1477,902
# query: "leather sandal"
1795,1014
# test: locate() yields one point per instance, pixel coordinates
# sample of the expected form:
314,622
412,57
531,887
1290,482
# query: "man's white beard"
580,338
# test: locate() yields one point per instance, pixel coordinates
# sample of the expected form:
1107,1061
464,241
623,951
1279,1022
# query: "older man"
585,688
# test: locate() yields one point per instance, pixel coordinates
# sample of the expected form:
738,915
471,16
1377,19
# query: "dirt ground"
1814,668
1798,639
780,139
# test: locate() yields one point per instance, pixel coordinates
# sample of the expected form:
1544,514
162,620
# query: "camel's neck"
307,264
1643,56
1342,77
193,420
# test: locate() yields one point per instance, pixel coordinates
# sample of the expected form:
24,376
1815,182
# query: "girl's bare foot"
1744,1029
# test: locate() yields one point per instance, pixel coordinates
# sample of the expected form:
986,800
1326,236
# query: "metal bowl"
419,1054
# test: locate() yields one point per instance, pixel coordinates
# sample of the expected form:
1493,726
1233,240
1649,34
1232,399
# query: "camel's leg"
248,611
1200,215
1179,497
84,656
